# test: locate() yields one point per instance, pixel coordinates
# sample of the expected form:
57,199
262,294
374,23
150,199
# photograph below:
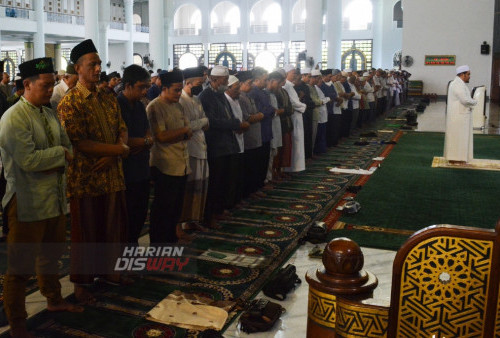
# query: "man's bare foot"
21,332
64,306
83,295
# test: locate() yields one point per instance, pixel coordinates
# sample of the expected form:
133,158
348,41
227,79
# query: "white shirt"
355,99
323,112
238,113
193,111
59,91
369,92
298,107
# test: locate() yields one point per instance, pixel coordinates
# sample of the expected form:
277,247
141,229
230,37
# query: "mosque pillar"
91,16
39,36
205,29
378,33
206,47
168,18
314,30
334,32
129,45
156,33
104,18
28,51
57,56
286,23
244,29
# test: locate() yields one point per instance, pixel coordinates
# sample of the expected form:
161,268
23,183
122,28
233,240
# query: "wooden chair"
445,283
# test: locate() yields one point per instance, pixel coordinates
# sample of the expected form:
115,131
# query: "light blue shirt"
26,156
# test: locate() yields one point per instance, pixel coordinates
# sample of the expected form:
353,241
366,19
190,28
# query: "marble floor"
293,322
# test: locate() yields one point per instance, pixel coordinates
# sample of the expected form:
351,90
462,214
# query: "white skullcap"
366,74
232,80
289,68
344,73
219,71
362,79
154,75
315,72
348,70
305,71
462,69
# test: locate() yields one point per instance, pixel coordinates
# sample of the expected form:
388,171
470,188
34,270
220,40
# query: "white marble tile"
293,323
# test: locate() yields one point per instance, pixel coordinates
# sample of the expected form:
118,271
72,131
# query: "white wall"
116,55
392,36
448,27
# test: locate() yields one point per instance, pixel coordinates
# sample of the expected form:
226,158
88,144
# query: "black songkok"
244,76
114,74
84,47
192,72
35,67
326,72
175,76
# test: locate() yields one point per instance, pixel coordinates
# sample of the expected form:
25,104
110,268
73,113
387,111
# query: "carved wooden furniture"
445,283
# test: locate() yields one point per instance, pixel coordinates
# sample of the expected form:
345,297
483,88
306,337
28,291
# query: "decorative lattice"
357,321
444,285
195,49
357,54
322,308
226,54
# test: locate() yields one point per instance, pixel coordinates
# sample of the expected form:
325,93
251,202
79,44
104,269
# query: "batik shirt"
92,116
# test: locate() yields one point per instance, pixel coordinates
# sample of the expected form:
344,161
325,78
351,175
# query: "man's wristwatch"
147,141
186,137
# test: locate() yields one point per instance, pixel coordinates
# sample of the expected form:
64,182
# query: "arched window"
265,17
266,60
225,18
137,19
187,20
397,14
358,15
138,59
299,16
188,60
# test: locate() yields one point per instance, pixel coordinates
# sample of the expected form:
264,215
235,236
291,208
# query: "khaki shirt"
170,158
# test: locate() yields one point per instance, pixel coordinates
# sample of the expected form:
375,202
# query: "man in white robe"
298,151
458,142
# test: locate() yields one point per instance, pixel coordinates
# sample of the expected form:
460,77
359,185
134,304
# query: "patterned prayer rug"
268,229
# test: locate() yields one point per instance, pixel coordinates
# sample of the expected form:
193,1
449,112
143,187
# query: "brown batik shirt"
92,116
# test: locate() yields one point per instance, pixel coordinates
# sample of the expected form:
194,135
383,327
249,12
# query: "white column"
104,16
205,53
286,23
39,36
156,33
314,29
378,33
205,28
28,48
334,32
244,29
129,45
168,18
57,56
91,16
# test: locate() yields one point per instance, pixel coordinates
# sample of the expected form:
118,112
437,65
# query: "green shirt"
27,155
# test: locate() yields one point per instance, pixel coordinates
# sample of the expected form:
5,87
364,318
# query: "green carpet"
406,194
269,228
